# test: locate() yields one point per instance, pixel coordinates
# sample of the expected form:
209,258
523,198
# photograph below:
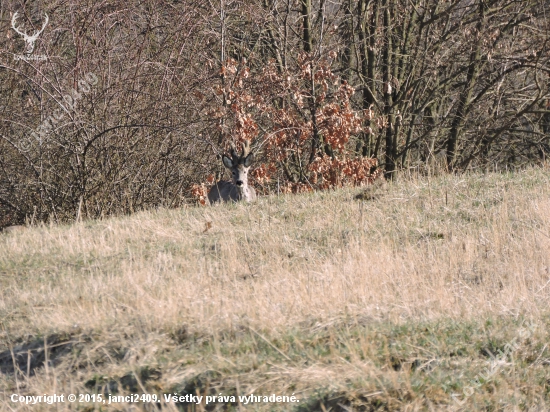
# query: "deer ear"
227,162
248,160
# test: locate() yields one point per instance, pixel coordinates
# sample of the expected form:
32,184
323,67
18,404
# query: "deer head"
29,40
236,190
239,165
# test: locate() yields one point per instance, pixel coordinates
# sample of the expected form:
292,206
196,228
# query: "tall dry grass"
458,248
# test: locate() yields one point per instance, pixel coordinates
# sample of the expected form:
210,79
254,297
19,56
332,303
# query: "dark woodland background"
133,101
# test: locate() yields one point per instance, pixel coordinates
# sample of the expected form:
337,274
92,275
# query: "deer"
238,189
29,40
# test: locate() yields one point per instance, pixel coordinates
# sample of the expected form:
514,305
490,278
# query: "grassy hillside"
434,296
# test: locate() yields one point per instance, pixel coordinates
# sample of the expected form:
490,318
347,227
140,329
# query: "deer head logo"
29,40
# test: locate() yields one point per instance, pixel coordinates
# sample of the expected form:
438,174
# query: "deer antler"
235,155
25,35
13,24
246,148
233,152
43,26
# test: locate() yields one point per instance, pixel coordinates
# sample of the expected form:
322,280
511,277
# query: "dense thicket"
124,105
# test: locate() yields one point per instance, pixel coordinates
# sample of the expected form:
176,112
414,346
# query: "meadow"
434,295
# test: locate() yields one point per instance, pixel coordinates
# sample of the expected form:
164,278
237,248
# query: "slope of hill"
432,296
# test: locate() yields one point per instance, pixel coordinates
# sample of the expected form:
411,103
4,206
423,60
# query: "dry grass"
389,304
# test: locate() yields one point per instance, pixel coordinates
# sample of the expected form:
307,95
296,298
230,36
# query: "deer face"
239,169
